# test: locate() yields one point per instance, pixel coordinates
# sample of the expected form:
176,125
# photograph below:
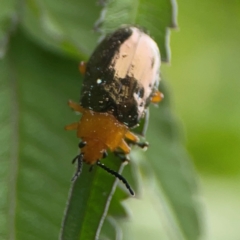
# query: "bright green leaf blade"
176,179
89,201
65,26
154,15
35,151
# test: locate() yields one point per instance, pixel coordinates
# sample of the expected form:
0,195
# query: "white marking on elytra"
99,81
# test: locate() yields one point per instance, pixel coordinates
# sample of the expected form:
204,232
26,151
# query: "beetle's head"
92,150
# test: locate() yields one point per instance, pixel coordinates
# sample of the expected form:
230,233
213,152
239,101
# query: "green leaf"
154,15
89,201
116,209
111,230
35,150
176,185
63,26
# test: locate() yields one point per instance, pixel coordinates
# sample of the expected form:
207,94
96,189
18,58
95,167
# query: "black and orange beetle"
121,79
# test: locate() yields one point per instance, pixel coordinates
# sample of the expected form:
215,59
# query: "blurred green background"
204,77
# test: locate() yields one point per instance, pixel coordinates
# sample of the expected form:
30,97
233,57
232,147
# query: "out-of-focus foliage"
40,41
205,80
204,76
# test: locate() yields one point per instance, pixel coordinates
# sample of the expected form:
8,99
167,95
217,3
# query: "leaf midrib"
14,137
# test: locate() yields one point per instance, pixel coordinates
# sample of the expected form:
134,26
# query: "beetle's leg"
131,136
157,97
82,144
124,147
143,145
122,156
75,106
135,140
72,126
82,67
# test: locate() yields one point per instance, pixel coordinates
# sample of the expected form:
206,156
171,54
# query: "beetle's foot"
143,145
157,97
123,157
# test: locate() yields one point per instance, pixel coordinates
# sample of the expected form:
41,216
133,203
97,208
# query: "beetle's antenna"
79,159
117,175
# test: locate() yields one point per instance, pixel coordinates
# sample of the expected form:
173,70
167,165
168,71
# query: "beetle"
120,80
